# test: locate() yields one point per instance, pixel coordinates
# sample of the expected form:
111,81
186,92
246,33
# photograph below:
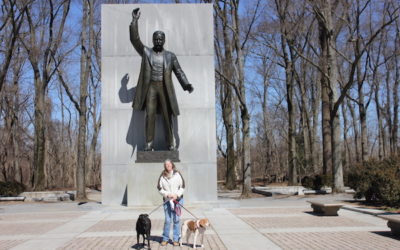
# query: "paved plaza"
257,223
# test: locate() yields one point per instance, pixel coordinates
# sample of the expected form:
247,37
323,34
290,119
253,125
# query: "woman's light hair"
165,172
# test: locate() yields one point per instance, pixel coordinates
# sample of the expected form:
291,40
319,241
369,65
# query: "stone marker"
393,223
325,208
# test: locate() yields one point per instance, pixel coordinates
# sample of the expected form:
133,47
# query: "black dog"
143,227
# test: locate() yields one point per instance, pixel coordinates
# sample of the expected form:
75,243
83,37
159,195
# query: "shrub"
11,188
307,182
322,180
377,181
317,182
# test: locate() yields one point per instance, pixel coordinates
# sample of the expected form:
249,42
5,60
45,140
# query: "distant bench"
393,223
328,209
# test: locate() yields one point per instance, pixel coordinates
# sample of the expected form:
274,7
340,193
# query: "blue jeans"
170,216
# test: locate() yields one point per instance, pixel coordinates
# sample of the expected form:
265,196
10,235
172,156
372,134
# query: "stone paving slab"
129,242
117,225
60,235
7,244
322,229
335,240
36,228
125,233
236,234
302,222
269,211
39,216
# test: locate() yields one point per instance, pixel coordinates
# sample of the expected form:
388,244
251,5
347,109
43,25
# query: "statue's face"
158,40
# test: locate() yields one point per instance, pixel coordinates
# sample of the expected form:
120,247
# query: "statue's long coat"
170,65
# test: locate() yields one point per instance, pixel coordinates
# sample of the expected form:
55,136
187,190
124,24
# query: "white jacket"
173,185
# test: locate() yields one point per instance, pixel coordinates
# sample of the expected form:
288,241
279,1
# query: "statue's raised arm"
134,32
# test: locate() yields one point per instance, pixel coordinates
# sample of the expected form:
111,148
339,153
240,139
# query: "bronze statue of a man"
155,88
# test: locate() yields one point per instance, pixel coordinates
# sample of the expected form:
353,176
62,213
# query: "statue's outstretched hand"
135,14
189,88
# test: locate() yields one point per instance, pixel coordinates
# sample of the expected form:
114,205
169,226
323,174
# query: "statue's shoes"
148,147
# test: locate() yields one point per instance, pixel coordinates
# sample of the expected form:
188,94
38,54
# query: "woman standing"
171,186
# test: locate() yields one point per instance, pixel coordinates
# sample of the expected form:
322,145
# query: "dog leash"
158,207
176,203
188,211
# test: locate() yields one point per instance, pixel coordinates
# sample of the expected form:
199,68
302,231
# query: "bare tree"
238,84
40,51
86,43
93,162
240,91
287,38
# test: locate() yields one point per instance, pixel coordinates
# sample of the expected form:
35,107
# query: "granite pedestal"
157,156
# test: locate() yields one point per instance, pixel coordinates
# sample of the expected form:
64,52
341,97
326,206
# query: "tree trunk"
346,149
292,159
246,160
246,156
337,167
326,128
229,130
330,86
381,130
325,100
338,184
226,103
266,136
355,131
287,43
86,48
40,142
388,112
314,143
238,162
92,167
305,121
395,130
15,133
361,104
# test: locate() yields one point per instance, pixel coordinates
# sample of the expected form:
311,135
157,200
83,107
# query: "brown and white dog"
195,227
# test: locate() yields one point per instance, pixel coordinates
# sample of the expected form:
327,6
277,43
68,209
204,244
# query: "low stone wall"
49,196
290,190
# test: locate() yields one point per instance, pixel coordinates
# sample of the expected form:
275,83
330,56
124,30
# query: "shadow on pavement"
152,238
387,234
318,214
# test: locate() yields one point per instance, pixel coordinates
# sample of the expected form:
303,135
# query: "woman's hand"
172,196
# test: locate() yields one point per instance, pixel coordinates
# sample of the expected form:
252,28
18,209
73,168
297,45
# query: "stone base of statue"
200,180
156,156
127,176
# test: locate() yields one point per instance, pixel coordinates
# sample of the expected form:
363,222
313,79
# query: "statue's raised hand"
135,14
